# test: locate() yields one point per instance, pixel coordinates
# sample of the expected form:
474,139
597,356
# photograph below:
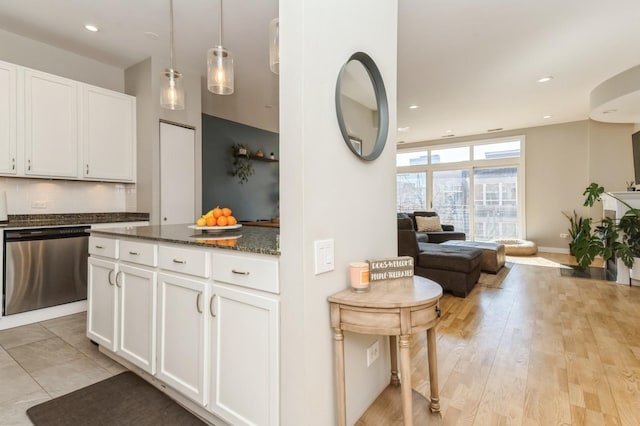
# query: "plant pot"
635,271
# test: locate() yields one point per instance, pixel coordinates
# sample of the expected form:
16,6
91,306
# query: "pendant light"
274,46
171,84
220,64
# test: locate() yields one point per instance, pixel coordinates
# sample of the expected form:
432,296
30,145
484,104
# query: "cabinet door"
8,119
108,134
102,303
182,337
51,125
137,316
244,386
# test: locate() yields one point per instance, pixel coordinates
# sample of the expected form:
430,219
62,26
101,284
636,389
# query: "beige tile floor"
41,361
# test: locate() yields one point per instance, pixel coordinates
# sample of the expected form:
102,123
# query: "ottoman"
455,268
493,254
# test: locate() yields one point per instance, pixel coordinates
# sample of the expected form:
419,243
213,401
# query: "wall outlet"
38,204
373,352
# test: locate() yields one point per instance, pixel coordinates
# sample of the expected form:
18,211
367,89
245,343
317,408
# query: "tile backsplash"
40,196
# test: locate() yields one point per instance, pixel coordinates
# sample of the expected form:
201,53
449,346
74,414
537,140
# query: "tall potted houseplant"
620,236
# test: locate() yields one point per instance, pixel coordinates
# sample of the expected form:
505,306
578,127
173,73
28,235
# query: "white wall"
326,192
143,82
40,56
61,196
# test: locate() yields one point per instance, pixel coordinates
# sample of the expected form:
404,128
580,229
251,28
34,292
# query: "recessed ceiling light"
413,107
91,28
403,129
547,116
449,131
545,79
151,35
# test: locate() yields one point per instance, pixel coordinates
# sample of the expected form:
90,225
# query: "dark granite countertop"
62,219
250,239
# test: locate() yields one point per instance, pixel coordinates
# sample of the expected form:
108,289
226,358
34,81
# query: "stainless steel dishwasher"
44,267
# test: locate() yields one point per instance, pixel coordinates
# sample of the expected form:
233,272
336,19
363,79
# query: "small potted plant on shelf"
620,236
242,166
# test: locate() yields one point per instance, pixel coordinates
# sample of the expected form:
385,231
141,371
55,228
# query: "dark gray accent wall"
253,200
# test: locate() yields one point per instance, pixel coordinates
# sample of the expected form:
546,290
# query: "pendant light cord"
220,21
171,47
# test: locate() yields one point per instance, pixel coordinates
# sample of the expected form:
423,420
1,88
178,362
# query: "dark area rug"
589,273
124,399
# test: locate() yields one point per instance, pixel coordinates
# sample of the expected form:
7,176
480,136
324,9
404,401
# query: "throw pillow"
428,223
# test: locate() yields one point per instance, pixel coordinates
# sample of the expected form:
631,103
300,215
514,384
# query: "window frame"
471,166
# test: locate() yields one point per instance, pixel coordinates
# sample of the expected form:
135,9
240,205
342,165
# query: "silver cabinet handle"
211,306
198,302
181,262
109,277
118,282
13,164
99,247
87,169
240,272
134,253
29,164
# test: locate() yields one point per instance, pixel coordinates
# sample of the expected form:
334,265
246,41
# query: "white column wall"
326,192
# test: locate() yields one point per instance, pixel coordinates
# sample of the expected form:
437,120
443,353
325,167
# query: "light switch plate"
324,261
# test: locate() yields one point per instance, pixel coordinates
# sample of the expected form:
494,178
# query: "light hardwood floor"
540,349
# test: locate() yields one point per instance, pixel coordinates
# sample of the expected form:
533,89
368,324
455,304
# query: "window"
411,191
475,186
414,158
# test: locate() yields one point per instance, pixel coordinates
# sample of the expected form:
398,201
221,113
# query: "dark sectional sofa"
455,268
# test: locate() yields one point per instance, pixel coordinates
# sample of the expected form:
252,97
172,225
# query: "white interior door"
177,174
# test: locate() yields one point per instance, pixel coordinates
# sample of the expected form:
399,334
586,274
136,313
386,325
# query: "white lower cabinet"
182,336
244,387
102,303
199,320
137,316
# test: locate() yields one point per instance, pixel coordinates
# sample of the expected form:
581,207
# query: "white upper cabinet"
8,120
51,125
54,127
108,134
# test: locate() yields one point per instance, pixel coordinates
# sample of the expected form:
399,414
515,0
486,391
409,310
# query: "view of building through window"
474,187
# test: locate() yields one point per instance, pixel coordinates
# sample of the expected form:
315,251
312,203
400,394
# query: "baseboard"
44,314
553,250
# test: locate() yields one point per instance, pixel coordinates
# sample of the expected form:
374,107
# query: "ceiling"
469,66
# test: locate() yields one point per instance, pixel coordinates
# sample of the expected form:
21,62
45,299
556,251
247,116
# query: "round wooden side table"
392,308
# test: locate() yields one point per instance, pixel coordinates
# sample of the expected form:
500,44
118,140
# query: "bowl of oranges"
216,220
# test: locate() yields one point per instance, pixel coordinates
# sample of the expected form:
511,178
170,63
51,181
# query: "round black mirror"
361,106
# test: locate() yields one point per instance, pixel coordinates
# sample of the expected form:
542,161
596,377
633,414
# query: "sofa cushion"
451,258
428,223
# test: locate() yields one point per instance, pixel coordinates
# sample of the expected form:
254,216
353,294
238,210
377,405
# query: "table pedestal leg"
433,369
405,385
393,349
338,368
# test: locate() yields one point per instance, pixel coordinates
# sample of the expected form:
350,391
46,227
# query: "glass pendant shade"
171,84
172,90
220,71
274,46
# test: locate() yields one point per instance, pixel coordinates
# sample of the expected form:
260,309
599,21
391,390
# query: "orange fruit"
222,221
211,221
232,243
226,211
217,212
231,220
